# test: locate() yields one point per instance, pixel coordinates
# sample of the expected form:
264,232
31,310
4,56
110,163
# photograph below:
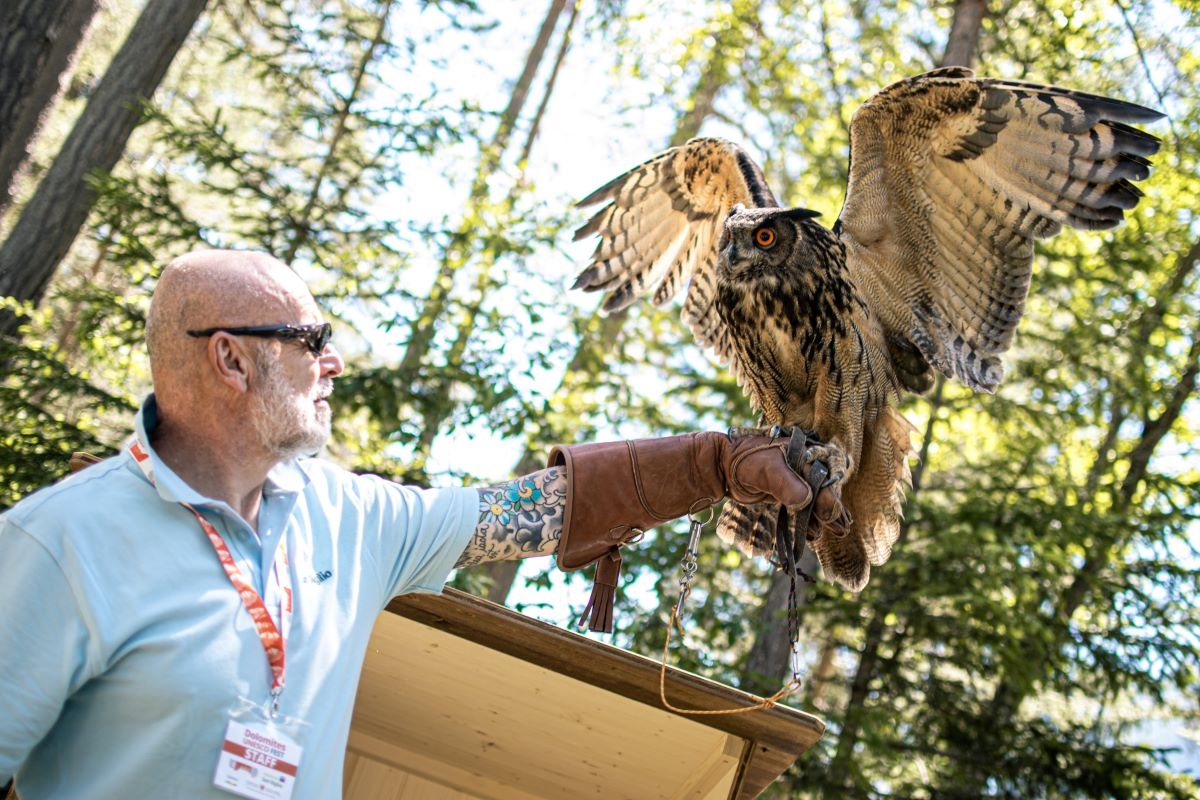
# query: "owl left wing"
662,228
952,178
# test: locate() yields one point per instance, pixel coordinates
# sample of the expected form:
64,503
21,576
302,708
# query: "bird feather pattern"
952,179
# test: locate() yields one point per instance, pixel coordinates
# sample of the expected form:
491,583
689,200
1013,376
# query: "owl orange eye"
764,238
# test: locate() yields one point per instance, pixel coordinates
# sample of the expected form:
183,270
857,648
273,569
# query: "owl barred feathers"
879,485
926,269
951,180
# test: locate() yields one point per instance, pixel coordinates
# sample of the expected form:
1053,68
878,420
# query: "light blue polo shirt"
123,645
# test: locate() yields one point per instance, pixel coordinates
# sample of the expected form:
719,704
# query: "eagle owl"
926,269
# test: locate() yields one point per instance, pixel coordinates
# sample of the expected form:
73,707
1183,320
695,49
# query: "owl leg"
839,461
835,459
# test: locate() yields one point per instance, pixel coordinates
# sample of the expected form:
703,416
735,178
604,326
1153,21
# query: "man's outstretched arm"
597,497
604,494
518,519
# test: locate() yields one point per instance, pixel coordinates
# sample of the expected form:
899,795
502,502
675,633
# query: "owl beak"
732,262
727,257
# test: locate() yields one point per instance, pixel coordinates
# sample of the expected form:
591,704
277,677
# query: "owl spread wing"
951,180
662,227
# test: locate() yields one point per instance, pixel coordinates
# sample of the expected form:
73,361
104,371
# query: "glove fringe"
598,613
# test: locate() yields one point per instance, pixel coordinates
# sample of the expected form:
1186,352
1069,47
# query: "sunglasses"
315,337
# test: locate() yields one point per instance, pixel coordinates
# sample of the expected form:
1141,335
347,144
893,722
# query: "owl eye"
764,238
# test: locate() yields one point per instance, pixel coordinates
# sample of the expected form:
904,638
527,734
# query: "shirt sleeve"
414,536
41,662
434,534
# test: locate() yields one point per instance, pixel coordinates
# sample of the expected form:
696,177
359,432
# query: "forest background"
1036,632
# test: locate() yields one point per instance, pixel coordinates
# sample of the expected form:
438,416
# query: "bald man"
189,618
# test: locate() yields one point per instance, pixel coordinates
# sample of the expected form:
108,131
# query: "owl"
926,270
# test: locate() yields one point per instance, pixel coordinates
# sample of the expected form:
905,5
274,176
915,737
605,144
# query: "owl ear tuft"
799,213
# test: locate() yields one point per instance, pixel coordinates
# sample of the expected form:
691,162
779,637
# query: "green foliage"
47,412
1043,595
1048,554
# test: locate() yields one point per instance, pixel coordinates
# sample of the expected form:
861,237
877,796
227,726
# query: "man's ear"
230,361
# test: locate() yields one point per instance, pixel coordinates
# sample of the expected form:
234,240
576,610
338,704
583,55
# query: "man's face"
288,400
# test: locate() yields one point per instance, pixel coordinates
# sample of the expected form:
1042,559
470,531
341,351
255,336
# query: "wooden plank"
395,771
440,699
714,777
777,735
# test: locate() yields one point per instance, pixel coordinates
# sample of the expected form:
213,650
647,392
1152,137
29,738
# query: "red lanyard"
272,637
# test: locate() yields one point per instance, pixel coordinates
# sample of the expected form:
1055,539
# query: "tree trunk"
963,42
609,328
458,251
840,766
1010,692
822,673
439,409
563,47
500,575
38,41
769,662
303,227
50,222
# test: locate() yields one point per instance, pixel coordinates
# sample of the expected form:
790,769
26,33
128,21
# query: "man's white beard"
289,424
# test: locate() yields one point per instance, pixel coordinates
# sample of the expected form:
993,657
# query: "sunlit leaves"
1044,592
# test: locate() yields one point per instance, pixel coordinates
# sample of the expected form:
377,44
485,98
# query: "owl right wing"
662,229
952,178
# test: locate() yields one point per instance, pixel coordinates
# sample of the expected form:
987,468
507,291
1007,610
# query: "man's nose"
331,362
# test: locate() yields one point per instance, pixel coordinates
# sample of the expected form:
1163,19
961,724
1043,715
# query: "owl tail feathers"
843,558
900,431
749,528
876,505
883,480
752,529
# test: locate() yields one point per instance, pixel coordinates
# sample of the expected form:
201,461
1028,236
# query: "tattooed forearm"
518,519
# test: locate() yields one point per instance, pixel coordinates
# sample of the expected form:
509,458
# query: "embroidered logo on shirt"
319,577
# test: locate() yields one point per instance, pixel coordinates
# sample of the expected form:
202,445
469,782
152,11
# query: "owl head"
761,239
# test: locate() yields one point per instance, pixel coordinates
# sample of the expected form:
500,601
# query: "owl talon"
835,460
827,466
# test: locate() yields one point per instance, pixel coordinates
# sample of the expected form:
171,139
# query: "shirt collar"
287,478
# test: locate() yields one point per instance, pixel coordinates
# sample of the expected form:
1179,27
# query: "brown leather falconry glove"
616,490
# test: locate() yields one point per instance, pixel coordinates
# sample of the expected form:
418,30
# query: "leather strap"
791,535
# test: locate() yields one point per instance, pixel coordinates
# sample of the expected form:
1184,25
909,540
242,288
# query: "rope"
790,688
789,550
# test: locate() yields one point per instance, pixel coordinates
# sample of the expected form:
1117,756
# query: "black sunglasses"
315,337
